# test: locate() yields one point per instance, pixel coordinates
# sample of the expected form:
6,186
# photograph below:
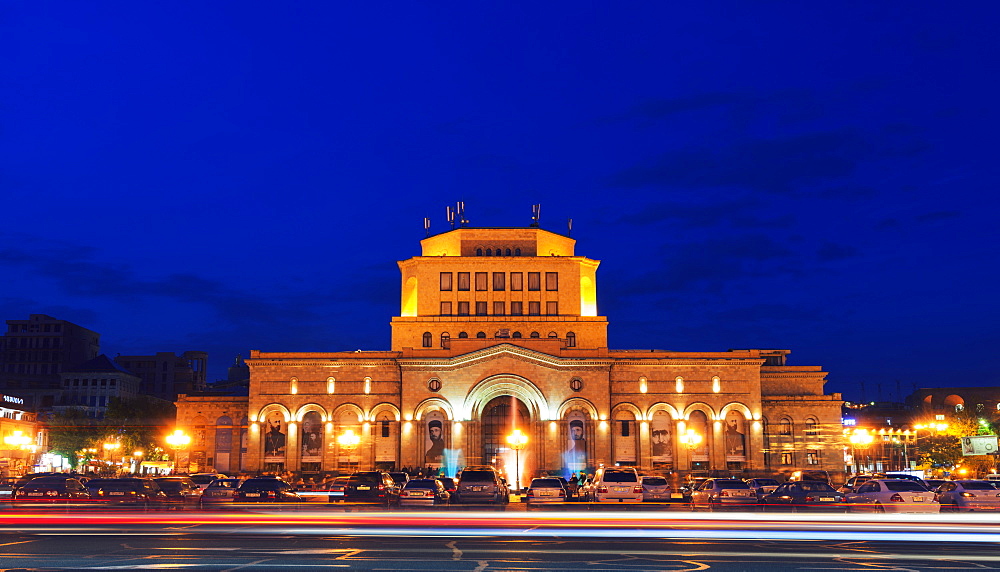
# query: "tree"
138,423
71,431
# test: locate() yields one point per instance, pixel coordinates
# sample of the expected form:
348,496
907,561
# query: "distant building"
21,437
93,384
165,375
980,400
499,330
35,351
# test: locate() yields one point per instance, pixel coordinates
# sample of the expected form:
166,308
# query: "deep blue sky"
228,176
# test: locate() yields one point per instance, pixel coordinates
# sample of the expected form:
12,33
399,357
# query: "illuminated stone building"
499,330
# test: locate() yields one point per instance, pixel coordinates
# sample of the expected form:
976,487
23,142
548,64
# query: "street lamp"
177,441
109,448
690,439
17,440
517,441
349,441
860,439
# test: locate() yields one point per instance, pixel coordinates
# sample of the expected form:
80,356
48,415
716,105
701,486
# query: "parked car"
423,492
616,484
336,488
762,487
266,489
968,496
804,495
219,491
181,491
371,487
656,489
51,490
7,487
854,482
129,491
893,495
933,484
400,479
482,484
811,475
546,489
450,484
716,494
205,479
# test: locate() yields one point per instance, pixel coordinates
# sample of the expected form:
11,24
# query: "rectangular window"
534,281
480,308
446,280
445,308
534,308
463,280
463,308
498,309
812,457
625,429
499,281
516,308
517,281
551,280
786,458
385,429
552,308
481,279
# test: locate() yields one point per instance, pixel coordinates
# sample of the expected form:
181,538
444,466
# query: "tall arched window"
427,339
570,340
810,427
786,426
489,252
506,252
517,252
479,252
445,338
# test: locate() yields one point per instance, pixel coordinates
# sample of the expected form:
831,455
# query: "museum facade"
498,332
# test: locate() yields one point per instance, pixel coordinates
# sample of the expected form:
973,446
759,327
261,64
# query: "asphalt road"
402,541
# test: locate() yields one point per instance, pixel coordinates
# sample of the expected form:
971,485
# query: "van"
481,484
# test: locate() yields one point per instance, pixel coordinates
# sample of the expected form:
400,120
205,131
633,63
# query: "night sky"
228,176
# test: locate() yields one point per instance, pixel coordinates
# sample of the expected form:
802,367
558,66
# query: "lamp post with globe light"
860,439
177,441
517,441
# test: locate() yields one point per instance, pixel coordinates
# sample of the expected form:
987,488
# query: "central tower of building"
499,284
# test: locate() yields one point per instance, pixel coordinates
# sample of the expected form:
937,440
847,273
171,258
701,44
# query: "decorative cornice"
502,350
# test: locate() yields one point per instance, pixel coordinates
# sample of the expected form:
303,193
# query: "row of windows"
34,356
90,382
23,328
462,282
500,308
498,252
785,427
31,343
428,338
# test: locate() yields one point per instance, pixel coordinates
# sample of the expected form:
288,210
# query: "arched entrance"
501,416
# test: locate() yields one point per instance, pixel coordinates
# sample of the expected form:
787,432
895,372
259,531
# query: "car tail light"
381,487
810,498
52,493
637,489
602,489
896,498
723,493
967,494
563,493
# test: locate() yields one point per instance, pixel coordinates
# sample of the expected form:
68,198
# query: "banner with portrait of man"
434,443
736,440
661,437
274,437
576,447
312,437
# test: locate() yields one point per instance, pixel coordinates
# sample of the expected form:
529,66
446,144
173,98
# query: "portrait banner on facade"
576,450
312,438
434,440
274,437
661,437
736,441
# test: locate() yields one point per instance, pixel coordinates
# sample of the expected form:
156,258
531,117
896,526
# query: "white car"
892,495
546,489
614,484
968,496
715,494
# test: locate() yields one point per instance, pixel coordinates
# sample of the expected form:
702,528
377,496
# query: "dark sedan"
371,487
804,496
266,489
130,491
52,490
181,491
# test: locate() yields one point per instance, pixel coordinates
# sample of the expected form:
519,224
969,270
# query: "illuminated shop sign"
12,399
